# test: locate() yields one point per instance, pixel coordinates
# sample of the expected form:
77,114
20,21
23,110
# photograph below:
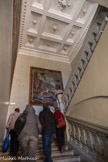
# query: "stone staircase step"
67,159
63,159
40,154
55,159
39,149
55,154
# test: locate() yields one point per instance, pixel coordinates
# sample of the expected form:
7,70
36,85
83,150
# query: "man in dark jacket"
48,122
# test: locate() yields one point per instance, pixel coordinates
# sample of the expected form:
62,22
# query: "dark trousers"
60,136
14,144
47,141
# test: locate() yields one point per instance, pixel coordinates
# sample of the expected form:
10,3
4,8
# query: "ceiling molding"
100,2
43,55
56,28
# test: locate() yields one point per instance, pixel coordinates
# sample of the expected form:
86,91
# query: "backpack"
20,122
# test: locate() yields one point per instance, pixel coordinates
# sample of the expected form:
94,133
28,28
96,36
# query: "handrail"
84,123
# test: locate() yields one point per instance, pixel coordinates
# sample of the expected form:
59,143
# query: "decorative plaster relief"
23,22
34,22
65,49
84,10
73,33
30,41
64,8
54,27
64,3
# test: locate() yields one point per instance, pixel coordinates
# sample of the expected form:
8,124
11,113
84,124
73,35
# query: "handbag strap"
7,133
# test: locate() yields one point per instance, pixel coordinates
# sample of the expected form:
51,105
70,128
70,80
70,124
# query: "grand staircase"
67,156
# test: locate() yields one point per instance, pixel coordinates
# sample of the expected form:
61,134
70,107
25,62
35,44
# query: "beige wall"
20,86
5,59
90,101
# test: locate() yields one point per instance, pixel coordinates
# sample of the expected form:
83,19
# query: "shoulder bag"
61,122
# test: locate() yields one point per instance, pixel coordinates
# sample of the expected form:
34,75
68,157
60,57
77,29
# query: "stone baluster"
92,140
85,139
71,130
100,148
74,132
79,134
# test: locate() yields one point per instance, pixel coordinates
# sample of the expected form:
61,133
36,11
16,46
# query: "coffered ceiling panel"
48,45
54,29
74,32
34,23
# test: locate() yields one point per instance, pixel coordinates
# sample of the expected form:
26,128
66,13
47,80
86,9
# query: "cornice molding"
100,2
44,55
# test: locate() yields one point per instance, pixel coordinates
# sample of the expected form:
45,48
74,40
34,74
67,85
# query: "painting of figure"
44,85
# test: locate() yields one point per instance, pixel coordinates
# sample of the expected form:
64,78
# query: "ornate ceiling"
54,29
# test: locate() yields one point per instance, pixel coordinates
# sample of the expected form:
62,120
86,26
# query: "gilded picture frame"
44,85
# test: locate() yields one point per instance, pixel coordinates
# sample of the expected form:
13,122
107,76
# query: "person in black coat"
48,122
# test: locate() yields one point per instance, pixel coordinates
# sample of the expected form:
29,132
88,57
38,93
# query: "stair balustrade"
84,55
89,139
92,139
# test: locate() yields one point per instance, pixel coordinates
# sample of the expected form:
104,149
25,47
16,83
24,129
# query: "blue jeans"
47,141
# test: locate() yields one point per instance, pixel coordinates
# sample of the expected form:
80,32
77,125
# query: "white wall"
90,102
20,86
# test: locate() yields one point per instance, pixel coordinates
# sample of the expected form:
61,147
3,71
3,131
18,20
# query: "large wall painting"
44,85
